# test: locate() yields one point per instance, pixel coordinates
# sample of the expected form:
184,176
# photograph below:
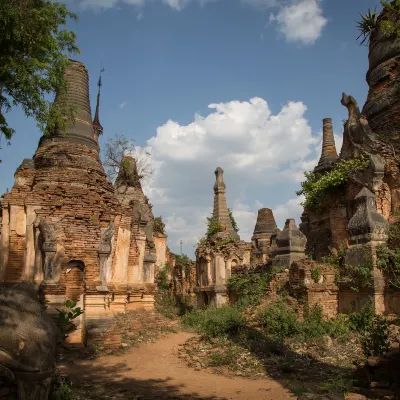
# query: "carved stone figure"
53,249
105,241
28,339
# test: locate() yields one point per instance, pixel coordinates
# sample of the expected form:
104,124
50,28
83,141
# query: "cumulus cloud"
301,22
263,155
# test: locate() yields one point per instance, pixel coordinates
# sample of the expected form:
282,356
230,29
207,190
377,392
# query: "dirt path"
154,371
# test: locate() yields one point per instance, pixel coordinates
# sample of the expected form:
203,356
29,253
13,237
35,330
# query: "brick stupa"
66,228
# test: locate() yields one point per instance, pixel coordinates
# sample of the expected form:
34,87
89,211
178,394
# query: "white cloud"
301,22
123,104
263,156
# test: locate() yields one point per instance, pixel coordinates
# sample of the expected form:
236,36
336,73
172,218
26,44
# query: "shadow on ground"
103,383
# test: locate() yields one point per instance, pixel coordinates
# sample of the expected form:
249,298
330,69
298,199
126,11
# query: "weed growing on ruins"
213,227
158,225
66,316
367,25
356,276
317,186
233,221
250,288
388,261
375,341
361,321
391,24
316,274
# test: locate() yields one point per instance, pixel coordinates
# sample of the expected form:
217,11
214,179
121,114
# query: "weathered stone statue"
53,250
28,339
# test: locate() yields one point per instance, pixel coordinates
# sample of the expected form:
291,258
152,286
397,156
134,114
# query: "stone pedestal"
368,229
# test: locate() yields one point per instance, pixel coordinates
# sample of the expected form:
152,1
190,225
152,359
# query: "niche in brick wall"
74,280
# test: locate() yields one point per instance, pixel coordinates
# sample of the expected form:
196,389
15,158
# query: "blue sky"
270,69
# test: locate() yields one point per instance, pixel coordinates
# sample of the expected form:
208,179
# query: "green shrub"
249,288
65,317
215,322
363,320
279,319
375,342
316,274
317,186
213,227
163,278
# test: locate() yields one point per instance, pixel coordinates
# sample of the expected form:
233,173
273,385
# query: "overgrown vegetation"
250,288
34,52
215,322
158,225
213,227
65,317
389,25
375,341
233,221
115,148
388,261
317,186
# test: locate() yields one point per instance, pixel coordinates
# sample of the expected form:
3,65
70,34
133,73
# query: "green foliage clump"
158,225
388,262
317,186
375,341
357,276
279,319
184,262
250,288
215,322
391,25
233,221
34,52
316,274
213,227
163,278
361,321
65,317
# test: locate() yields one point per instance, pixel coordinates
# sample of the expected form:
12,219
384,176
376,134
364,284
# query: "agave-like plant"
368,23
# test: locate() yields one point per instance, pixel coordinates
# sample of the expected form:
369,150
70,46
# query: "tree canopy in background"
34,50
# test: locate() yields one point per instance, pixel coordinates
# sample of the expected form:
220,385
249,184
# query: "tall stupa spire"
220,212
74,97
328,154
96,121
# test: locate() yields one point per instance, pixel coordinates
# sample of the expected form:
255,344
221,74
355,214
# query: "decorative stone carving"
28,339
53,250
104,252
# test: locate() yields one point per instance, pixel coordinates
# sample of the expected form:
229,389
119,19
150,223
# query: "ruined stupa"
220,253
264,232
65,227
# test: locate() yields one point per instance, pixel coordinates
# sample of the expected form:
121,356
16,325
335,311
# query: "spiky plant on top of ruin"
367,24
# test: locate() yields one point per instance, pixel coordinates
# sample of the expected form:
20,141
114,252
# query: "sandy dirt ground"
154,371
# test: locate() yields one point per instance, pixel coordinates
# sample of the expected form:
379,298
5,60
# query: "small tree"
213,226
34,53
158,225
119,146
